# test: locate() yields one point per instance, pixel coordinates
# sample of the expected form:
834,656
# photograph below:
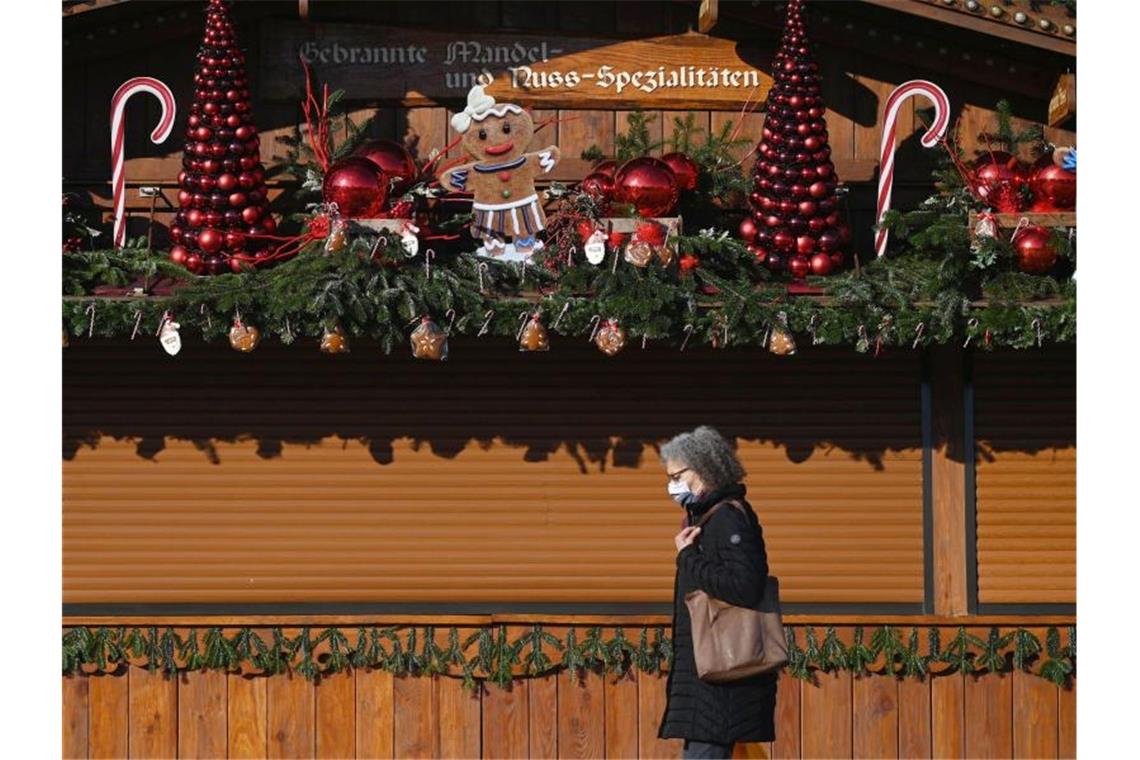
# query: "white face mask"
679,491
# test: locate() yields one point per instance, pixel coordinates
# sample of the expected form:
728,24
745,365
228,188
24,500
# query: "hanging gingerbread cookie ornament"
501,177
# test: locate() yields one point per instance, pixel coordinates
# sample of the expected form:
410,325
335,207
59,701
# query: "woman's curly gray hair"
706,452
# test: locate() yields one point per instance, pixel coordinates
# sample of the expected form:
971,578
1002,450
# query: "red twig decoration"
317,119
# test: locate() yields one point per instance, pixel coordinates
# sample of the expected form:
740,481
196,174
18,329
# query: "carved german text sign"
420,67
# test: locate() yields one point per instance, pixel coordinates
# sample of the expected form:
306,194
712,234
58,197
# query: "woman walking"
725,558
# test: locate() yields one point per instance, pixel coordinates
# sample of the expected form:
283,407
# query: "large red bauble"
807,208
178,254
194,217
748,229
805,245
599,186
193,263
997,179
817,224
817,189
394,159
237,199
210,240
799,266
648,184
357,186
250,214
227,182
821,264
1036,253
185,197
1054,188
684,168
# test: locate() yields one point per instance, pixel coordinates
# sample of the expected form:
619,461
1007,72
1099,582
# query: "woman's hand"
686,537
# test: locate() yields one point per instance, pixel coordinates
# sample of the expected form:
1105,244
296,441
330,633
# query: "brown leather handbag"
730,642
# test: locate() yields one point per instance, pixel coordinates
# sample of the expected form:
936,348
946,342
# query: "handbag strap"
705,517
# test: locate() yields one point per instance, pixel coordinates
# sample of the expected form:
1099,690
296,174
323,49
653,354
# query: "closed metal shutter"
286,475
1025,416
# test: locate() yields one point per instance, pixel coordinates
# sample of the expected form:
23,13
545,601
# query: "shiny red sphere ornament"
599,186
194,263
648,184
357,186
997,180
395,161
1036,253
783,241
685,169
178,255
821,264
1054,188
210,240
748,229
805,245
799,266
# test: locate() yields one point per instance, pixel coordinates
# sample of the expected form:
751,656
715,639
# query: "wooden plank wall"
133,713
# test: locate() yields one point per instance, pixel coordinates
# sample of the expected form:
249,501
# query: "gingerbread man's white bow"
478,104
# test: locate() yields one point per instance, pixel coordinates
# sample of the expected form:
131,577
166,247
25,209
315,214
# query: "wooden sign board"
415,67
1063,103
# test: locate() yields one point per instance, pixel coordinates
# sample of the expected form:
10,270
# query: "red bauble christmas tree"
794,205
222,199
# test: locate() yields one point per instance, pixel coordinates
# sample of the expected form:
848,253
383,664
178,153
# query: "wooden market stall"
928,490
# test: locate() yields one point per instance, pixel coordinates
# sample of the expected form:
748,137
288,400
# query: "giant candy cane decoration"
887,155
118,131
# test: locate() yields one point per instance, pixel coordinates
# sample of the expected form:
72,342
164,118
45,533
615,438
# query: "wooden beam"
948,480
707,16
981,23
74,9
237,621
828,26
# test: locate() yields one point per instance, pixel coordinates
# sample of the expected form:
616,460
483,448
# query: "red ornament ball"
648,184
1036,253
783,240
178,254
599,186
210,240
805,245
395,160
357,186
821,264
748,229
1054,188
799,266
684,168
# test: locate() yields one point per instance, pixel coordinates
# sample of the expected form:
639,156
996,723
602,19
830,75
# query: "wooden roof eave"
984,23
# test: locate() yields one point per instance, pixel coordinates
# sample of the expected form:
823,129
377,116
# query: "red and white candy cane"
118,132
933,134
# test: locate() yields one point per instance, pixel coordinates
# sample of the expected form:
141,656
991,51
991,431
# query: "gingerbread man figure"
502,175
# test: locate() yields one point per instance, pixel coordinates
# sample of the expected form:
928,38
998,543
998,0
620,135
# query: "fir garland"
490,654
937,285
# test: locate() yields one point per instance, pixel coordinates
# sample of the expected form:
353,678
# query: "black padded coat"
729,562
